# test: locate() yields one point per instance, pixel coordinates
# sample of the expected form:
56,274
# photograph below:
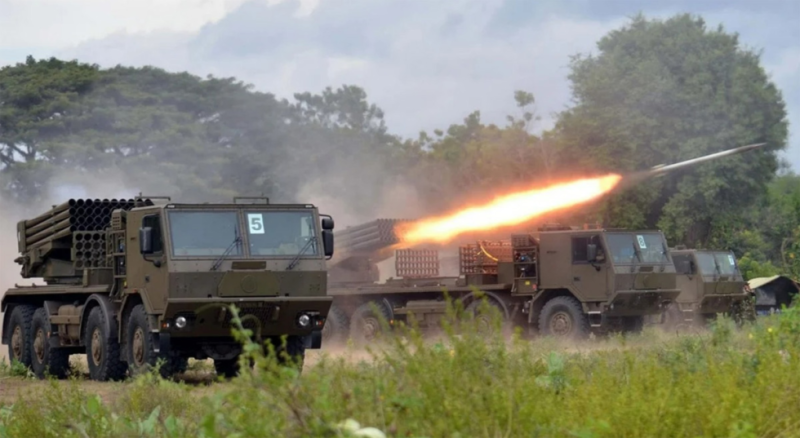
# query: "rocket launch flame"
508,210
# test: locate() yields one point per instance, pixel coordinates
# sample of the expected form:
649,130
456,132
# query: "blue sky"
426,63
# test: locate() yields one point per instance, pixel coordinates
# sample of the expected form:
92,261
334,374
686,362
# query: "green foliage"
727,382
665,91
752,268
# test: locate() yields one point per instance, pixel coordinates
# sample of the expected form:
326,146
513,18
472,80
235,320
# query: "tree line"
656,92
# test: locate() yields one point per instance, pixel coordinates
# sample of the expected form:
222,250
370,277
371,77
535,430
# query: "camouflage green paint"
708,287
264,277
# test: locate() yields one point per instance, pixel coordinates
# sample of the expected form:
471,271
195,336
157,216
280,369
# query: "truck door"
148,274
589,276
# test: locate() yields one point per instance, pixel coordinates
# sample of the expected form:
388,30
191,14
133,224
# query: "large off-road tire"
293,353
563,317
365,324
20,342
633,324
46,360
673,320
179,364
141,351
744,312
336,326
484,320
102,349
227,368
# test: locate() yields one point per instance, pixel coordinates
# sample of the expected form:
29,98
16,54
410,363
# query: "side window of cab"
153,222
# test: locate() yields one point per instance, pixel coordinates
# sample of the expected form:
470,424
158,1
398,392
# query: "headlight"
180,322
303,320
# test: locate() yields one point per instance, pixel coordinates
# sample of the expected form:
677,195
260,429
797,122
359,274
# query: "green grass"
725,382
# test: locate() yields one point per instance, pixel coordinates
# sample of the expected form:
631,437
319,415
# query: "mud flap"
314,340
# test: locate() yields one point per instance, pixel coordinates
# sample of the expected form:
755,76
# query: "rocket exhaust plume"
509,210
520,207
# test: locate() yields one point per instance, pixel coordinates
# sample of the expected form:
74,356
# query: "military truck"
710,284
135,282
559,281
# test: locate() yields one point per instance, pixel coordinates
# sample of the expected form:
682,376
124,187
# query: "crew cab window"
281,233
579,249
205,233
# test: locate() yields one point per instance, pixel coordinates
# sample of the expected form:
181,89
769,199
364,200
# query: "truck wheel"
485,321
633,324
21,342
366,324
228,368
293,353
673,319
44,359
563,317
335,329
179,364
102,349
142,356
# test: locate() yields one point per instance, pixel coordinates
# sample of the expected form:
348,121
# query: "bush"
474,381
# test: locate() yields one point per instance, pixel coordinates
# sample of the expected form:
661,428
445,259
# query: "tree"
38,101
664,91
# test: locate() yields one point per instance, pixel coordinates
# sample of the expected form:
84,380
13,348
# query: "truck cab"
193,260
710,283
616,277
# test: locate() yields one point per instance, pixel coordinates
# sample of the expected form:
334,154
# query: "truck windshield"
716,263
281,233
637,248
204,233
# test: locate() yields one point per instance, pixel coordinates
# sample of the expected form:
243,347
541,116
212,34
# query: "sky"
426,63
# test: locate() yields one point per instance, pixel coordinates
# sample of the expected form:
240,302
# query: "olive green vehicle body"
604,277
185,264
710,283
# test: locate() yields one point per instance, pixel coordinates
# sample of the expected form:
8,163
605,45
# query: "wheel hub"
369,327
38,345
97,347
138,347
16,342
561,324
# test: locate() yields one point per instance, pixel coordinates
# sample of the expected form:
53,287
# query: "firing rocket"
661,170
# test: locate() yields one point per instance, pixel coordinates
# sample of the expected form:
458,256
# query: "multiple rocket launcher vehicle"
132,282
558,281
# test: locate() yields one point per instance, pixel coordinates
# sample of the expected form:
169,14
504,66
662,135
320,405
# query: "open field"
724,381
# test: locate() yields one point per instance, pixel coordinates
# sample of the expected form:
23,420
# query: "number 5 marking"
256,223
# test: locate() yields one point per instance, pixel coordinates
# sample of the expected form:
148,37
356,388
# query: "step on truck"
134,283
561,281
710,283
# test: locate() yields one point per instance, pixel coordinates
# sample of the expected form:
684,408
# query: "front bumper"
719,303
264,316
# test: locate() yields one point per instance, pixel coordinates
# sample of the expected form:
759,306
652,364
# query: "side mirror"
146,240
591,252
327,223
327,242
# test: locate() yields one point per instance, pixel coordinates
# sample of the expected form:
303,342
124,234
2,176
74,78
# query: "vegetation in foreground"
726,381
